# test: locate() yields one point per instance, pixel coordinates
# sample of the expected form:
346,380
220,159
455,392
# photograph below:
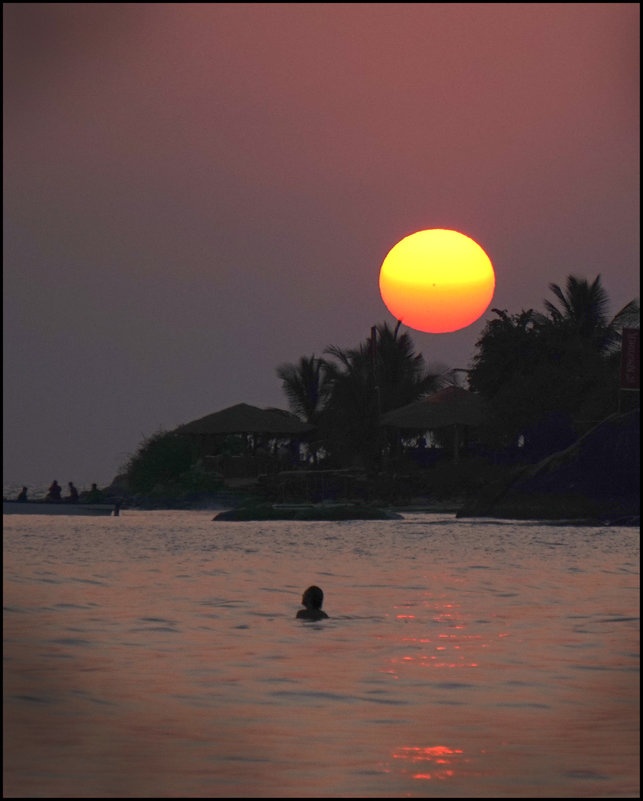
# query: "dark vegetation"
550,377
547,378
595,478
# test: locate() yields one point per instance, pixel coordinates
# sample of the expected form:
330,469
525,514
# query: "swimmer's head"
313,598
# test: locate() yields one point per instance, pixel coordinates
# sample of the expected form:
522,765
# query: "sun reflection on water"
434,647
437,762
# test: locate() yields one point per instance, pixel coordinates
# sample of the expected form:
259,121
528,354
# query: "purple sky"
197,193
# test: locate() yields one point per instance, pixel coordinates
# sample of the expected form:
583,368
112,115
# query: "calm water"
157,654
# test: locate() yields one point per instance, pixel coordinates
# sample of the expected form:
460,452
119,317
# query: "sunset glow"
438,759
437,281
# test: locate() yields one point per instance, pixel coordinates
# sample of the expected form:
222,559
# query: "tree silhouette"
547,377
368,381
582,311
306,386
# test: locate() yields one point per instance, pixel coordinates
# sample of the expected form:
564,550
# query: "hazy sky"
197,193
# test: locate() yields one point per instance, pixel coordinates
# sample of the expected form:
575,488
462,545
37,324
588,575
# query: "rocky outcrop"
595,478
321,511
118,487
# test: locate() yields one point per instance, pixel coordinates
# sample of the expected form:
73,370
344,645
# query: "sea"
157,654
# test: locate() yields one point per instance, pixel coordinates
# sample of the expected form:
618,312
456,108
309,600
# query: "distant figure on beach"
22,497
94,495
73,494
312,599
53,493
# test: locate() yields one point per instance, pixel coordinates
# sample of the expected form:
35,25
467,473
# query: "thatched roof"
246,419
450,406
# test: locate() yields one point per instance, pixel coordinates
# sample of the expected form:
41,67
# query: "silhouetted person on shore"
73,494
312,599
22,497
53,493
94,495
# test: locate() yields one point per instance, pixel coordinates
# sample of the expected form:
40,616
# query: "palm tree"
350,416
582,312
372,379
540,372
400,373
306,386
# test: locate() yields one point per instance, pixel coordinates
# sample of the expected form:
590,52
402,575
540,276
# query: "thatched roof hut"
258,431
245,419
450,406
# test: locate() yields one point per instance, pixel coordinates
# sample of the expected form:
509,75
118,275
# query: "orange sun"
437,281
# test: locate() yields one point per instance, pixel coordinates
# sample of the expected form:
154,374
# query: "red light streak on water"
439,756
450,645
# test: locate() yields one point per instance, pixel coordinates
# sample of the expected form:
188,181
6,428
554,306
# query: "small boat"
58,508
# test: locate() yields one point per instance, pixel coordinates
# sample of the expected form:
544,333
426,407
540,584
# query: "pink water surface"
157,655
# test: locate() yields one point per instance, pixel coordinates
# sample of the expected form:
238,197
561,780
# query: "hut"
452,407
253,429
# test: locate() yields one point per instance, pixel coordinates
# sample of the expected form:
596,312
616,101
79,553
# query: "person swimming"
312,599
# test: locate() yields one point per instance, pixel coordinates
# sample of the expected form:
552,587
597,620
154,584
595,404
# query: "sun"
437,281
